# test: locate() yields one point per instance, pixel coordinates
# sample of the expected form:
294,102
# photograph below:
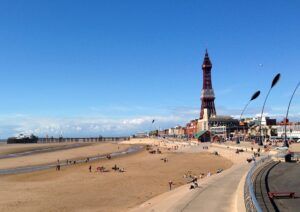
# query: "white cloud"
83,126
11,125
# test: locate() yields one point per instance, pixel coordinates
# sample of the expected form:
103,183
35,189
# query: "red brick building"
191,128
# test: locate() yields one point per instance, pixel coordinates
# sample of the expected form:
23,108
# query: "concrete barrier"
251,203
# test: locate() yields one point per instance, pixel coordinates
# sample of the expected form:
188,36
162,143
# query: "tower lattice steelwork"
207,93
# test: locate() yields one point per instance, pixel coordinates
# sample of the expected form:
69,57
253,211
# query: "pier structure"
86,139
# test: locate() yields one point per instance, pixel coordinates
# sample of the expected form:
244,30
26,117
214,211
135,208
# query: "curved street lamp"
254,96
286,143
274,82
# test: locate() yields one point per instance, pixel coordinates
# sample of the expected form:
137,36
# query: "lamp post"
274,82
286,143
254,96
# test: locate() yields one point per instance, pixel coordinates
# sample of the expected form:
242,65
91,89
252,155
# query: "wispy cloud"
105,125
87,125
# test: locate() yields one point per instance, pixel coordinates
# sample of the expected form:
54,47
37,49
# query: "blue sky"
110,67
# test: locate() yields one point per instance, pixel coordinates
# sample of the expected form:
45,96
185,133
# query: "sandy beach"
62,155
17,148
74,188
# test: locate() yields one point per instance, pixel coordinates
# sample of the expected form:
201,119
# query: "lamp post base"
286,144
260,142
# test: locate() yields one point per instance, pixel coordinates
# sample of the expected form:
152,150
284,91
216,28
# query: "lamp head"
275,80
255,95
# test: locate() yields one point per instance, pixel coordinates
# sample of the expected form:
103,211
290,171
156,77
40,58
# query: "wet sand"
13,153
62,155
62,164
19,148
76,189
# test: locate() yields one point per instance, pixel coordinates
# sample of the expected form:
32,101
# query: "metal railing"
251,202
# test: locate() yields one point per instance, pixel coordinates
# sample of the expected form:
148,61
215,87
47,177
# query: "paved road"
260,185
286,177
219,195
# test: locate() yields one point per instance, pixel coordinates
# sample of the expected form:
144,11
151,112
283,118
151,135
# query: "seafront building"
191,128
179,131
292,131
212,127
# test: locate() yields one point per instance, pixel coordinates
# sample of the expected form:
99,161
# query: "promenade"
219,192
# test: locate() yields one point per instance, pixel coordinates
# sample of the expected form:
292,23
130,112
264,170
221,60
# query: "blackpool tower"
207,93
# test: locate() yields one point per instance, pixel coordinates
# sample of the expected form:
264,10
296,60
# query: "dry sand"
182,196
295,147
75,189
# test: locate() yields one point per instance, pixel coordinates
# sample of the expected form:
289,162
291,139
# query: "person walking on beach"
58,167
90,168
253,158
170,184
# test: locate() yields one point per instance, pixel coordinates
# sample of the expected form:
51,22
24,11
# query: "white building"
265,121
141,135
219,131
171,131
292,131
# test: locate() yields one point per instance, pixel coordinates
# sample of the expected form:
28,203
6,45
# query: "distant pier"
89,139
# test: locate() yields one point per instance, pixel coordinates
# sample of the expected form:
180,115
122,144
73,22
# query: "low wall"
251,202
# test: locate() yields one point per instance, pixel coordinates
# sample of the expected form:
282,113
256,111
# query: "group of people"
255,154
164,159
70,162
153,151
194,183
58,165
237,151
116,168
99,169
103,169
194,179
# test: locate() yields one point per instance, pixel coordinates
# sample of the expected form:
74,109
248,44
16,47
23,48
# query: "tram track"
261,187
